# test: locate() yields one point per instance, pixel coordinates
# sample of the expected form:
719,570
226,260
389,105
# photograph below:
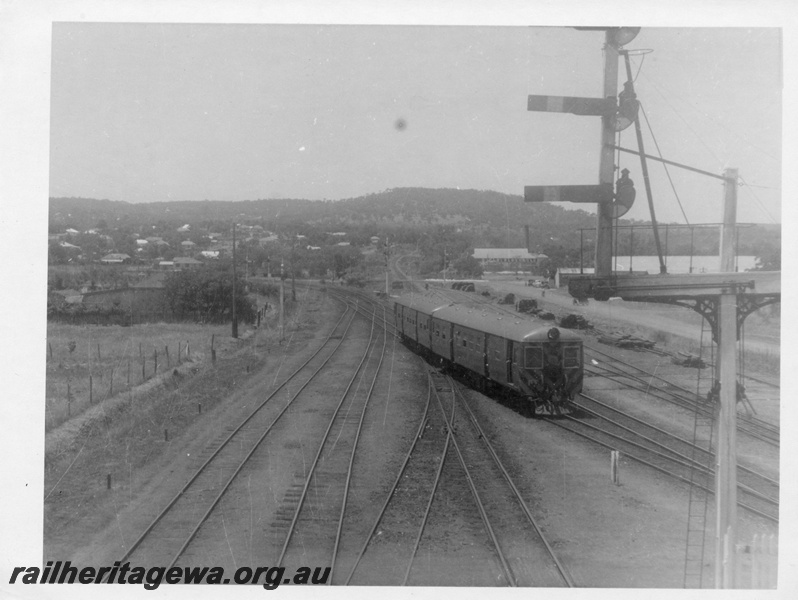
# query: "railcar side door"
510,358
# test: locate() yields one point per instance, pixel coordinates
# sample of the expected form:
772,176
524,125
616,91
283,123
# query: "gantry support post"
726,455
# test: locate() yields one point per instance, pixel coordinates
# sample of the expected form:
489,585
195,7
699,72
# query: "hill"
405,215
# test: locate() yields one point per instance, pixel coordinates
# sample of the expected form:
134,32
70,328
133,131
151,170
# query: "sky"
147,112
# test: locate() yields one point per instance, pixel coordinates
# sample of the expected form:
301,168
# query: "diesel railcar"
543,365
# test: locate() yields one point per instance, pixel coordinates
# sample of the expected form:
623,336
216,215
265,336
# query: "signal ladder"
702,472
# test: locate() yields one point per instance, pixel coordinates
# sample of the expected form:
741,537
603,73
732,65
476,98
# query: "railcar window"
533,357
571,356
465,343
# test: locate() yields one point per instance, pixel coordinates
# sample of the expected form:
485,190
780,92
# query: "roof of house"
505,253
116,256
186,260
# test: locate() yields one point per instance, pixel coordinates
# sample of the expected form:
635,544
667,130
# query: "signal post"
725,299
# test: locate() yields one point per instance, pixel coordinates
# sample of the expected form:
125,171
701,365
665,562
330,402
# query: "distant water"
681,264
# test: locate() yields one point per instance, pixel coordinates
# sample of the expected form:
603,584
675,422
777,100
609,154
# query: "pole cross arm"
601,193
590,107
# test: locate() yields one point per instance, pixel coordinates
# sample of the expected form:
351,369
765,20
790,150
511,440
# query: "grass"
112,356
127,435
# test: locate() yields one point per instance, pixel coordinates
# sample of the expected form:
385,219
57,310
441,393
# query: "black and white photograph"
414,295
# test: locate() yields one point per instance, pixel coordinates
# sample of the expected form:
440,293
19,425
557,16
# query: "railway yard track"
167,540
449,492
458,461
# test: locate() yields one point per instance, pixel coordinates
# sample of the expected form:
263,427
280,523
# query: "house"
210,253
508,257
158,241
188,244
141,242
70,247
185,228
314,247
115,259
375,239
342,244
185,262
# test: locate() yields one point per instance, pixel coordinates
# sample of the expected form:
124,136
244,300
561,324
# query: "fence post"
50,346
111,388
143,372
168,364
128,372
91,398
155,360
178,352
614,473
99,358
213,352
188,350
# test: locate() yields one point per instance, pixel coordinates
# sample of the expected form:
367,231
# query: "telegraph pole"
235,320
387,267
282,300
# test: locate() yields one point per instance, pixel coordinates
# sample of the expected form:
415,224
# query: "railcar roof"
484,318
506,325
423,303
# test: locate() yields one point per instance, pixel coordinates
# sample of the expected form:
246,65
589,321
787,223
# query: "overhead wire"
656,144
667,172
676,111
711,118
757,200
678,114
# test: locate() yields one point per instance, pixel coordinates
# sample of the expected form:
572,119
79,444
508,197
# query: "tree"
468,266
207,294
769,259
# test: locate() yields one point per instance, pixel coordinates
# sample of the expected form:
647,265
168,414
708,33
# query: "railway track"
514,550
667,453
637,439
612,367
451,459
171,531
315,531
